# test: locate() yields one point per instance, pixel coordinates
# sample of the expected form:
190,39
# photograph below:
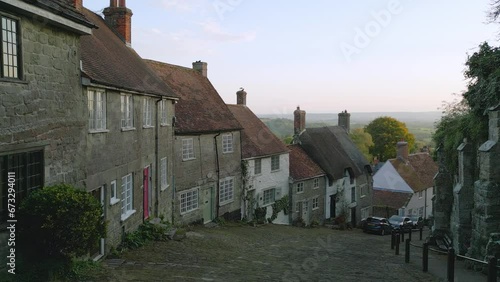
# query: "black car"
379,225
402,223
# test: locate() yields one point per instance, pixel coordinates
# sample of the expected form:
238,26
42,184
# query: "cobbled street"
266,253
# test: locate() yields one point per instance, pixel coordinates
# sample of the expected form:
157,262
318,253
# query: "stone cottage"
265,159
307,188
42,122
349,187
207,155
128,137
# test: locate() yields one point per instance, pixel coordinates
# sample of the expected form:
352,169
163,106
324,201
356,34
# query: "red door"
145,184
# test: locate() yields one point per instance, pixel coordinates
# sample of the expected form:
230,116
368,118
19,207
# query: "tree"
362,140
386,132
60,222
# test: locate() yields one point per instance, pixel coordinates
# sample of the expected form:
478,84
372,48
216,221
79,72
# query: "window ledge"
362,196
190,159
127,129
93,131
164,188
301,192
147,126
127,215
228,152
276,170
315,187
164,124
226,202
13,80
114,201
315,208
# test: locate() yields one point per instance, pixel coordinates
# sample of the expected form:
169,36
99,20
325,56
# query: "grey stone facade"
308,212
203,173
463,200
116,152
443,198
486,215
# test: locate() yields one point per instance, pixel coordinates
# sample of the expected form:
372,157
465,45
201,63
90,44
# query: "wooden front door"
332,206
208,205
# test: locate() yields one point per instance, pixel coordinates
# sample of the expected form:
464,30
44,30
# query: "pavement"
438,263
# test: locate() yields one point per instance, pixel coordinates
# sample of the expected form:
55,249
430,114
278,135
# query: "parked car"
379,225
418,221
403,223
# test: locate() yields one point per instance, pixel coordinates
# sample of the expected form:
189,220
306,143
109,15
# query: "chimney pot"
345,120
241,97
402,150
119,18
201,67
299,120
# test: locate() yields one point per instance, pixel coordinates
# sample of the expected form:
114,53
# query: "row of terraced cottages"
150,139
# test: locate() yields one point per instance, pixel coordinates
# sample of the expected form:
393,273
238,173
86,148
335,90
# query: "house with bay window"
207,155
128,136
265,159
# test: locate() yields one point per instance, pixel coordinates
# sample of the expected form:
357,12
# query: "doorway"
208,205
146,184
332,206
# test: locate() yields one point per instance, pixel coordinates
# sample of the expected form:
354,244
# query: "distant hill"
421,124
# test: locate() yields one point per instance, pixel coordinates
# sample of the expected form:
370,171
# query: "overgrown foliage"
145,233
280,205
363,141
386,132
60,222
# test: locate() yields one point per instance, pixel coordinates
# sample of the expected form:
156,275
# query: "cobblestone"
267,253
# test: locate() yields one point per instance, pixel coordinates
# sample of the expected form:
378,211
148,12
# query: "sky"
325,56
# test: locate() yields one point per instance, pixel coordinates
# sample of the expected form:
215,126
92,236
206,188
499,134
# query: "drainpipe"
425,204
157,159
218,172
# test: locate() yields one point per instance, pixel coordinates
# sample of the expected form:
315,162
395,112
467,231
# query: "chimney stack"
402,151
201,67
119,18
345,120
299,120
241,97
78,4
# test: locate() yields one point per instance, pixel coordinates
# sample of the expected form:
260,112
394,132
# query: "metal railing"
397,238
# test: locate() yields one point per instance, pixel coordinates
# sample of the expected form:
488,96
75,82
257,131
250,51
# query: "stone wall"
443,198
309,193
201,172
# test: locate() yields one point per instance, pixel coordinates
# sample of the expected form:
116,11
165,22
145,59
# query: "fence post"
492,269
421,229
425,257
402,235
407,250
397,244
392,239
409,235
451,264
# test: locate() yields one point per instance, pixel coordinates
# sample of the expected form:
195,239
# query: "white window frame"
255,170
227,143
300,187
315,183
164,173
127,197
315,203
189,200
147,110
113,194
274,160
226,190
188,149
127,112
420,194
97,110
268,196
10,69
163,113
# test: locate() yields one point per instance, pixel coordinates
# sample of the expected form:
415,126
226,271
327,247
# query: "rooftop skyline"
326,56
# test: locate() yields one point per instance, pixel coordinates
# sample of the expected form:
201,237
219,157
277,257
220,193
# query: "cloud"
214,31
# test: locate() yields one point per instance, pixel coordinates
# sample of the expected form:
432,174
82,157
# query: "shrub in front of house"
60,222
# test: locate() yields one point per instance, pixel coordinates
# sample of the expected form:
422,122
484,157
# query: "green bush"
145,233
60,222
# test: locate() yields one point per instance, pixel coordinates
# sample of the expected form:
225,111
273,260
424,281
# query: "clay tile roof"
200,108
301,165
63,8
384,198
334,151
418,172
257,140
108,61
